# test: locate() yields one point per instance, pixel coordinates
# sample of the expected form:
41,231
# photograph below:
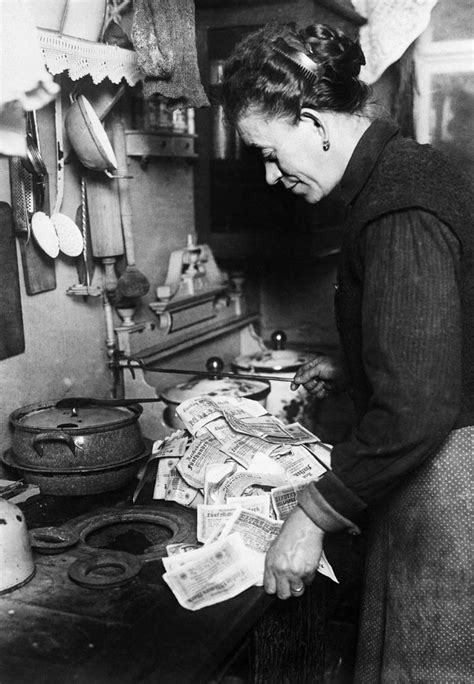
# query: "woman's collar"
365,156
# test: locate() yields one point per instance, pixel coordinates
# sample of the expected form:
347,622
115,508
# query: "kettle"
16,557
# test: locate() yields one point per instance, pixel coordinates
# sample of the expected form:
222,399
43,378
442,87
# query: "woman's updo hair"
278,70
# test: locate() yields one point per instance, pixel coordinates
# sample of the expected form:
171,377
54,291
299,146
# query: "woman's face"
292,154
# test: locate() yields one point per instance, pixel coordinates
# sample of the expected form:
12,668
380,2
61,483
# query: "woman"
404,308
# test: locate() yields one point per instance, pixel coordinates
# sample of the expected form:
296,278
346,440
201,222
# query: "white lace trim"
391,28
80,58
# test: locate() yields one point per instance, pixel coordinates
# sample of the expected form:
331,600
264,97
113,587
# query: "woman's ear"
311,114
307,113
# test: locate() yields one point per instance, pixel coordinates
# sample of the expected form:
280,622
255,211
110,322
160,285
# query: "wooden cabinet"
237,213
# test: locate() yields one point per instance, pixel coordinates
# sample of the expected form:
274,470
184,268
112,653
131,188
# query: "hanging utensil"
89,138
19,187
38,268
33,162
45,234
69,236
12,337
85,266
42,227
105,225
132,283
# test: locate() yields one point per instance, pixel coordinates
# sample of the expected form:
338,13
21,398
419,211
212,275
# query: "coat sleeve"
411,328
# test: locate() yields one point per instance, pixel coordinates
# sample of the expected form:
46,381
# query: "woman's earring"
326,145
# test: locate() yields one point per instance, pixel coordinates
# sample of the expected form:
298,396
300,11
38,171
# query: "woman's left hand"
320,376
293,558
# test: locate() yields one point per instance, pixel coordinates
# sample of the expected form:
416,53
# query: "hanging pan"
89,138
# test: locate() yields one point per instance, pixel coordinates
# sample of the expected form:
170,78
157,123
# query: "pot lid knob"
215,366
278,339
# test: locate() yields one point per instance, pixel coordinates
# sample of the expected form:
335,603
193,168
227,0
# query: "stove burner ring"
161,527
101,567
52,540
105,570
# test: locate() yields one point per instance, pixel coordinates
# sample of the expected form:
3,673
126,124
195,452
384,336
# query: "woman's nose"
272,173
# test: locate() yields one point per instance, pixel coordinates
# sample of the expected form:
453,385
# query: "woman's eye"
269,158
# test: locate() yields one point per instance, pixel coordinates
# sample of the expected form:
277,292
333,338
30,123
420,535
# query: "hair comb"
302,61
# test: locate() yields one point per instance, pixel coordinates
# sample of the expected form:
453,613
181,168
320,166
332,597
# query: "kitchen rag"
163,35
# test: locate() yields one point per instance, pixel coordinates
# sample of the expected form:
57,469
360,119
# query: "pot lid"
48,417
272,360
250,389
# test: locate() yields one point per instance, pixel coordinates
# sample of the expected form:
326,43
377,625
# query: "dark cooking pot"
80,481
46,437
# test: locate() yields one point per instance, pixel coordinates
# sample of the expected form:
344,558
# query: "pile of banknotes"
241,468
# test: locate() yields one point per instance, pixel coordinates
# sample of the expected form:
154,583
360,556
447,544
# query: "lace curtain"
80,57
392,26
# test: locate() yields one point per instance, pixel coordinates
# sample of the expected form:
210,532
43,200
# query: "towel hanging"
164,38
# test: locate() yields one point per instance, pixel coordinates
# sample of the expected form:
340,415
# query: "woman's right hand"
320,376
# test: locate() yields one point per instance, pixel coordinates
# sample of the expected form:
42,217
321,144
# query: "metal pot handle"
38,440
112,175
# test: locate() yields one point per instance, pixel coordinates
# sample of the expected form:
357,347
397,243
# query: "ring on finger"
297,590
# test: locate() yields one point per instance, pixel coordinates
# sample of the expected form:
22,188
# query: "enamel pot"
83,451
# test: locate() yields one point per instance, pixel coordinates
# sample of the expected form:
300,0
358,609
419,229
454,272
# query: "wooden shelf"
164,144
